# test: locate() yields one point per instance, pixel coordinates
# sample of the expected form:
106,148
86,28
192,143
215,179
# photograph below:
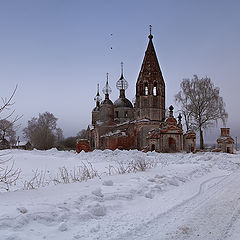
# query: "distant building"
142,125
225,141
23,145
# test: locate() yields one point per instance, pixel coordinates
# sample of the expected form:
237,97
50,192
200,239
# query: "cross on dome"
122,83
97,98
107,90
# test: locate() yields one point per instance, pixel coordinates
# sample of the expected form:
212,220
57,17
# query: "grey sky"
57,51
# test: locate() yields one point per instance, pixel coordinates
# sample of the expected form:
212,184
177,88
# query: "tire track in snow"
155,228
228,231
214,218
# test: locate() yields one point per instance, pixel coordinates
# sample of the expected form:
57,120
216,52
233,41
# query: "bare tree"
7,130
6,106
59,135
201,104
42,132
8,175
184,101
69,143
7,102
83,134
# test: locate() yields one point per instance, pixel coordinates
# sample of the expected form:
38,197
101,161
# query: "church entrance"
228,149
172,144
153,147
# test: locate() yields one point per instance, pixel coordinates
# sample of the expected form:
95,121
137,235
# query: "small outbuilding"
225,141
189,141
23,145
82,145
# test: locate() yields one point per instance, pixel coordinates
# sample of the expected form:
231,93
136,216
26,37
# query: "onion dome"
122,102
107,101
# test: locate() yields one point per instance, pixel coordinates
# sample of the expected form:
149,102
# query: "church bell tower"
150,87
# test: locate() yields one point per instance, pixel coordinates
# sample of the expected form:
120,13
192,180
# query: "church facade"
144,124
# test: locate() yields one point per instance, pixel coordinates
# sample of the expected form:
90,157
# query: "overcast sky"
57,51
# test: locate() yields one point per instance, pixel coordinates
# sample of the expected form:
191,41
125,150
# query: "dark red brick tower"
150,87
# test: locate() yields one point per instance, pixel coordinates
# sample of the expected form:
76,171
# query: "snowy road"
213,213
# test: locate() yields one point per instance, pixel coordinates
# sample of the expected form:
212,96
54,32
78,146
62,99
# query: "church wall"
123,114
122,136
154,145
106,112
126,142
172,142
95,116
150,107
142,130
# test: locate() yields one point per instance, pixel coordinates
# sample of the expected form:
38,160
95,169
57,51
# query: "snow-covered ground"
178,196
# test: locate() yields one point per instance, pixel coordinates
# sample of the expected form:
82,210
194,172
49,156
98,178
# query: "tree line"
43,133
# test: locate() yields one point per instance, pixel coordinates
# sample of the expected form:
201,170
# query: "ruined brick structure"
225,141
143,126
82,145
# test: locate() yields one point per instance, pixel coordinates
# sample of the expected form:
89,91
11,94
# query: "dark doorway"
153,147
172,144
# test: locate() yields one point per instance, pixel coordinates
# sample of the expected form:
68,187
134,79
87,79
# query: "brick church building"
144,124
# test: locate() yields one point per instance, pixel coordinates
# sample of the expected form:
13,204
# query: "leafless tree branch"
201,104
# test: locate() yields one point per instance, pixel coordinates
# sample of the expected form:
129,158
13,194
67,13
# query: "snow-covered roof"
22,143
123,133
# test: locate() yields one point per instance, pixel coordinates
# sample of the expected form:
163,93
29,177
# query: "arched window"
146,89
155,89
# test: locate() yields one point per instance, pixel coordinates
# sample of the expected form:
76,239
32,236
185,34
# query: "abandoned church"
140,125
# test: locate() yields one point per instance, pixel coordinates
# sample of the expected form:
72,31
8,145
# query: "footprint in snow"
108,183
22,210
97,210
95,229
158,186
97,192
149,195
63,227
151,180
12,237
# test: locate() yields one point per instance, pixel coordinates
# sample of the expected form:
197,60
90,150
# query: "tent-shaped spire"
150,87
150,70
